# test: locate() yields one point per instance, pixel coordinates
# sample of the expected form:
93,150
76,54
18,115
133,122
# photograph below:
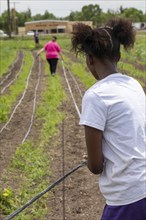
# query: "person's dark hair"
54,37
103,42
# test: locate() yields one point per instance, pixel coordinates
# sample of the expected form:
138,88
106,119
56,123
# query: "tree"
88,13
4,21
48,15
37,17
133,14
72,16
92,13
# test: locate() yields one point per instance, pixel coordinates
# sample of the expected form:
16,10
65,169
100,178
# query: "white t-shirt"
116,105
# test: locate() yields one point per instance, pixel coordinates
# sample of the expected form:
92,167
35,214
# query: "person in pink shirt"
53,51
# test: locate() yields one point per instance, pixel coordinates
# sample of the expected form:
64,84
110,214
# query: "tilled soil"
78,197
14,133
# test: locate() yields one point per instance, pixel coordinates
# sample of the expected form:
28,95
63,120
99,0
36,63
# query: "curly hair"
103,42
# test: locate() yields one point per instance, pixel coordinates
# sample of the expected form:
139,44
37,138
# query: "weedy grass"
8,55
131,69
31,160
15,89
137,54
9,50
80,70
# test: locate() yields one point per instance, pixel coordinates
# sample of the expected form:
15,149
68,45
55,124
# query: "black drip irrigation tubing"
45,191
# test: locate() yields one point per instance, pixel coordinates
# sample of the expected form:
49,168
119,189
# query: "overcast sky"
62,8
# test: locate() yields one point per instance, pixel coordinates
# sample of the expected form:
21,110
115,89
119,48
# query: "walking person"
53,51
113,116
36,37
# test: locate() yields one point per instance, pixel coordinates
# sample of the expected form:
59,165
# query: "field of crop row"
39,132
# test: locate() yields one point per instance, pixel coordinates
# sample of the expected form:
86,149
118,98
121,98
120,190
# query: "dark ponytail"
103,42
123,31
82,34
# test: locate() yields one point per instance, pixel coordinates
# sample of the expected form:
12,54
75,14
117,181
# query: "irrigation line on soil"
75,82
20,100
10,71
77,109
2,91
45,191
63,170
34,104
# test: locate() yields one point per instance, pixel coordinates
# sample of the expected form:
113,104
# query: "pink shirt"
52,49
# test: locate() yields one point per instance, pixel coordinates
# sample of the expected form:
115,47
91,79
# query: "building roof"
42,21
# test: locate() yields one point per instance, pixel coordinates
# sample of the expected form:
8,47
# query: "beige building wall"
21,31
52,26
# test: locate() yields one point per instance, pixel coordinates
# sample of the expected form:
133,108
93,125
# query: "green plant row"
80,70
132,71
7,57
31,160
9,50
136,57
15,90
138,53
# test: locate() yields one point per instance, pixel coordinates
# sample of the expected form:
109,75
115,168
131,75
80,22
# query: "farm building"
52,26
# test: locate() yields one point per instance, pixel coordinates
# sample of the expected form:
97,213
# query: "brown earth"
14,133
78,197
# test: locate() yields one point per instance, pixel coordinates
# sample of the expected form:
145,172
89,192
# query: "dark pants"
53,64
36,40
133,211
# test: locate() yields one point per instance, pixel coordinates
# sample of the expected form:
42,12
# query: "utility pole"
15,19
9,19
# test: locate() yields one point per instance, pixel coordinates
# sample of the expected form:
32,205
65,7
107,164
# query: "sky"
62,8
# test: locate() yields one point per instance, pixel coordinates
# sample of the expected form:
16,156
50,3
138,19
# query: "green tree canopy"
133,14
48,15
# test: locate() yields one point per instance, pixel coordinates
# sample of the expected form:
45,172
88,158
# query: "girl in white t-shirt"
113,114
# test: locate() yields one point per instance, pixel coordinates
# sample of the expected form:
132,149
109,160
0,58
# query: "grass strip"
130,70
31,161
80,70
7,57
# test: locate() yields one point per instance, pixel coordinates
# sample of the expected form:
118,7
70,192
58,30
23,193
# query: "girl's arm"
94,149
